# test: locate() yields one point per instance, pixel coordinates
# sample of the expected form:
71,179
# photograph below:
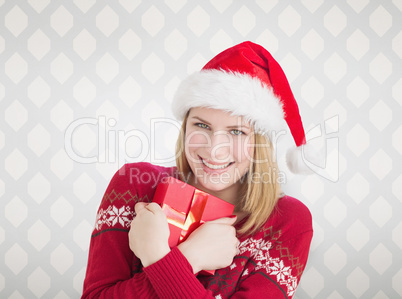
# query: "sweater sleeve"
277,270
172,277
113,271
278,254
109,271
276,273
271,262
111,277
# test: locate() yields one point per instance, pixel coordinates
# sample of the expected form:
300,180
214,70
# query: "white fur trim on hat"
237,93
298,158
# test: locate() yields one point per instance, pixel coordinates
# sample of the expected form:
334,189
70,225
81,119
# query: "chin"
214,187
214,183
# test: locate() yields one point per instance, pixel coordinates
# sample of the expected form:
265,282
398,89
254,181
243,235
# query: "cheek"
242,151
195,138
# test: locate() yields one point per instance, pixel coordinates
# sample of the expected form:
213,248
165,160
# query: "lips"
215,166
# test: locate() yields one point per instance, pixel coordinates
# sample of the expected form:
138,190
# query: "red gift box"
187,207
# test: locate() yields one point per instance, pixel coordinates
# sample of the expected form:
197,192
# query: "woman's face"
218,148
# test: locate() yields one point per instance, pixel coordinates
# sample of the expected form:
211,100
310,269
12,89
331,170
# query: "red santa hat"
246,81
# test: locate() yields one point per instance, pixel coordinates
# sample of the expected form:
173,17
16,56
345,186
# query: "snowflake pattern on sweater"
260,251
265,254
121,214
112,216
269,263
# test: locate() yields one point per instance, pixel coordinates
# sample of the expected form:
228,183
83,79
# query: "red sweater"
269,265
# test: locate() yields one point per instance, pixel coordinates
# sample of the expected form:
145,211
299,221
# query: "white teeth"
215,166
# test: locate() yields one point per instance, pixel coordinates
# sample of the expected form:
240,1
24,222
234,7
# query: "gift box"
187,207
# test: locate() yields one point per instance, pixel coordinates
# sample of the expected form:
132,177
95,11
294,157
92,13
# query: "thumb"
225,220
140,206
153,207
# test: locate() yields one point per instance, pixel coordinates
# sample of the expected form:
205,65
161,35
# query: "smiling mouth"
215,167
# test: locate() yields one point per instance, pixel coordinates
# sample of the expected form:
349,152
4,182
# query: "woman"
228,109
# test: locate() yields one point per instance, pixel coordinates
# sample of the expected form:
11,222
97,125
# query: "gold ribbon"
192,220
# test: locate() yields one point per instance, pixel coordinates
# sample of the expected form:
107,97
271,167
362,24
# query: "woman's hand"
149,233
211,246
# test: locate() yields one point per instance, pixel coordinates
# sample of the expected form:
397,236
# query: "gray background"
115,65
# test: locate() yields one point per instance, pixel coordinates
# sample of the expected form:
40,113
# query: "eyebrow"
229,127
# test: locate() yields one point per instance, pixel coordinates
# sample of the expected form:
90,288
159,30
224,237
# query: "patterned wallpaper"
86,86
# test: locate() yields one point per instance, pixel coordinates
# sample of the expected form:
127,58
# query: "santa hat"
246,81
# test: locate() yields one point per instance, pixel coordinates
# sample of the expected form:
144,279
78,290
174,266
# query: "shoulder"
141,175
144,171
290,218
292,208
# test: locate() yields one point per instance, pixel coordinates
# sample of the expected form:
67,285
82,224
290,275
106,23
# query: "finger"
140,206
154,208
238,247
225,220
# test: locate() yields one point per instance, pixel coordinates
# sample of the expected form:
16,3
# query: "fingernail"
232,216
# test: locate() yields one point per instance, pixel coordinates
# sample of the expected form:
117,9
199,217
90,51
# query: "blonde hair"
260,188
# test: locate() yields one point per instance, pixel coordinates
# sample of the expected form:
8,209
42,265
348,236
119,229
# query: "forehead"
218,117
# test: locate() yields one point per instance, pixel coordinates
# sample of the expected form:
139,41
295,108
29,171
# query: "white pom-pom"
299,158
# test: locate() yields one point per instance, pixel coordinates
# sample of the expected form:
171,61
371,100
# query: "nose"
221,146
